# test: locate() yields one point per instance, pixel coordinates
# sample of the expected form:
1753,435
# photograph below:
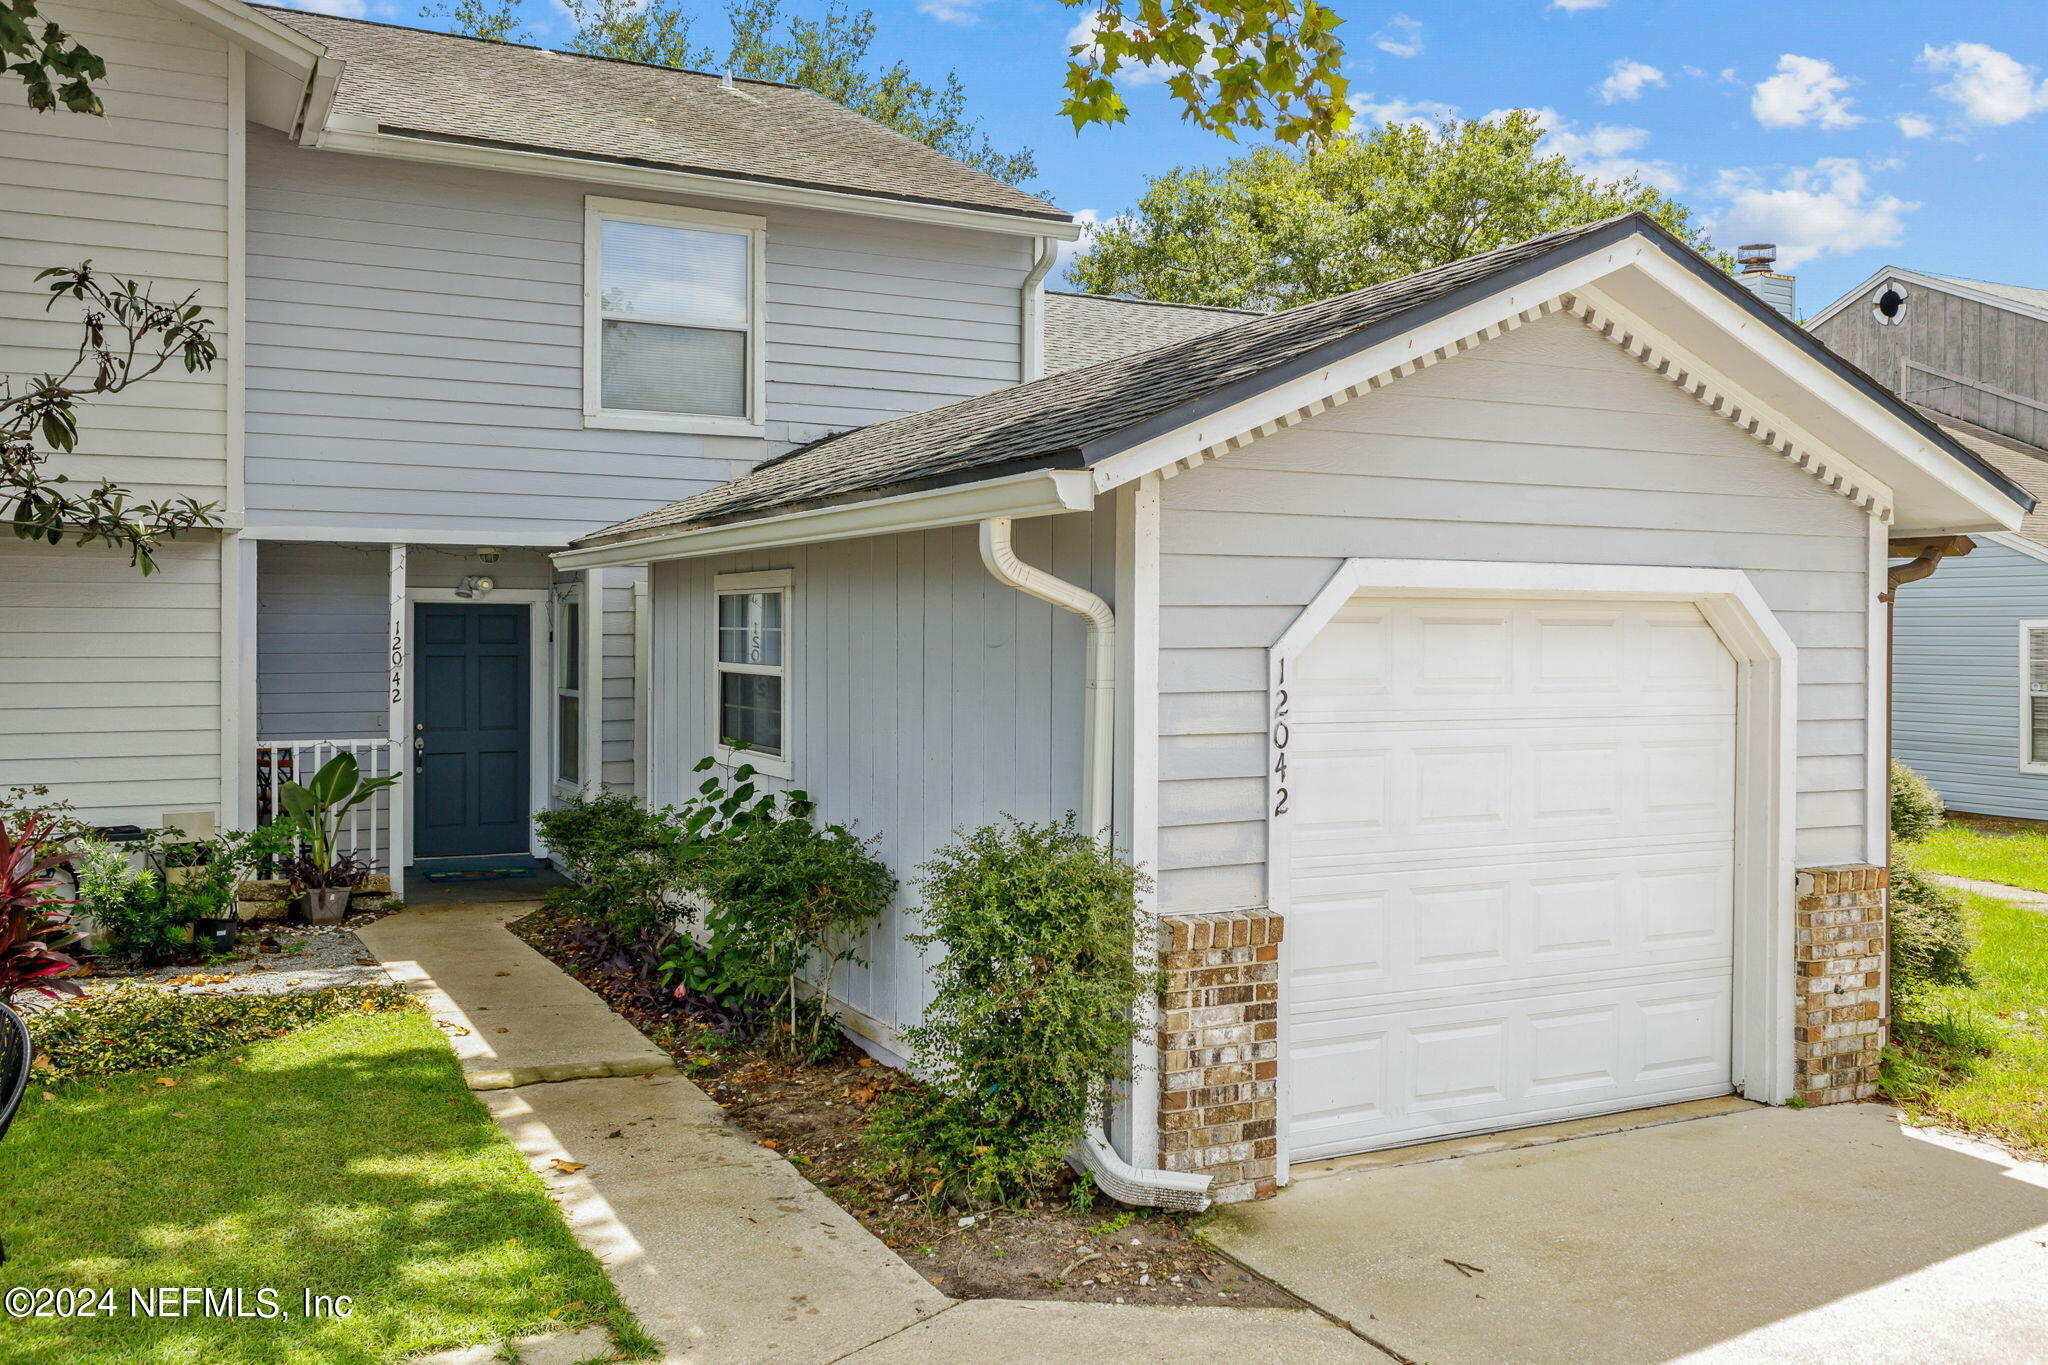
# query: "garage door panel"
1511,849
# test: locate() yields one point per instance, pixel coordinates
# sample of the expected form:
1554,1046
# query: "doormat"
485,874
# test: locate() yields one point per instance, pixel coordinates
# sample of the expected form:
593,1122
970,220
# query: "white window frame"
2030,762
564,644
771,580
596,212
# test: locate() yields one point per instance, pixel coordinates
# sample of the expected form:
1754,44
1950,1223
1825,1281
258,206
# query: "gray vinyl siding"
416,345
615,760
111,686
925,697
2001,350
1956,668
1545,445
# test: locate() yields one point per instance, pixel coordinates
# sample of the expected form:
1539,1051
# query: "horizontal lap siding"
111,690
1544,445
1956,699
416,345
927,697
143,194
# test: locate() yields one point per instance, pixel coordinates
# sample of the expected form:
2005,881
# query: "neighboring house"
1971,644
1488,666
1081,329
477,300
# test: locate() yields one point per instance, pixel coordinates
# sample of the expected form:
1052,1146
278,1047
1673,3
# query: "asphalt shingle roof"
2025,465
1086,329
500,94
1072,419
2018,293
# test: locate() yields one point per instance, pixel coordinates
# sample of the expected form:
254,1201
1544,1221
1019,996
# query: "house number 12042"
1281,735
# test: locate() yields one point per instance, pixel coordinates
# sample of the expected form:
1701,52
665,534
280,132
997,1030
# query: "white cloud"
1605,150
1628,80
1805,90
951,11
1577,6
1826,209
1398,110
1988,86
340,9
1402,37
1913,125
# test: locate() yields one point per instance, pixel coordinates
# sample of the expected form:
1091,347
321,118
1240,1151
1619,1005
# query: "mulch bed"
813,1115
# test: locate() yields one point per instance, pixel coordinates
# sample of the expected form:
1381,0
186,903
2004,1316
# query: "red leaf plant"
34,924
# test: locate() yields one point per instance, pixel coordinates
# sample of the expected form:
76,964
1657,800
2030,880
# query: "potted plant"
325,872
324,891
203,878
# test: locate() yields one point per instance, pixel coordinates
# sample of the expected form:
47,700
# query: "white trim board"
1766,792
386,535
2029,761
539,691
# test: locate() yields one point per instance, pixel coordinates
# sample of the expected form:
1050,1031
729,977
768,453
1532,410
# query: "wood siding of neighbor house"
926,697
2001,351
416,345
1544,445
112,682
1956,679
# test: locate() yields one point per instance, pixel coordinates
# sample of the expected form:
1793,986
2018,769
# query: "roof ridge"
535,47
1974,279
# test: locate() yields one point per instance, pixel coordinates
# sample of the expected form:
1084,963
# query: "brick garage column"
1839,945
1219,1051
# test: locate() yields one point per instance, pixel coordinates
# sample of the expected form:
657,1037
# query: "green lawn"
1976,1057
1959,850
348,1158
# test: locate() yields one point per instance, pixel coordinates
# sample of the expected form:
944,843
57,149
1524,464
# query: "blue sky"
1855,135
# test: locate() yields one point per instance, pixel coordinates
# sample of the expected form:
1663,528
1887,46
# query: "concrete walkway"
1759,1235
722,1249
2018,895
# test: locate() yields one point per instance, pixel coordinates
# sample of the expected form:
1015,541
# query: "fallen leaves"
568,1167
771,1144
167,1080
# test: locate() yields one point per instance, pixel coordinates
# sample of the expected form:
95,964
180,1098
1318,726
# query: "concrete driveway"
1758,1235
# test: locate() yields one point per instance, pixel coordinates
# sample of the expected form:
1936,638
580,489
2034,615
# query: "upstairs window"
750,670
672,325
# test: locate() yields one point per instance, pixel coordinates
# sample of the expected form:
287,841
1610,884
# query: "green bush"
631,866
1916,807
787,903
127,903
137,1028
1033,1014
1930,933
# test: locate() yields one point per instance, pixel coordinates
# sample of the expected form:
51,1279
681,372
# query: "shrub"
1033,1011
34,923
1916,807
786,898
631,865
126,902
1930,933
135,1028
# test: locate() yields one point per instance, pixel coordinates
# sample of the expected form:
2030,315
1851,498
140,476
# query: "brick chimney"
1760,279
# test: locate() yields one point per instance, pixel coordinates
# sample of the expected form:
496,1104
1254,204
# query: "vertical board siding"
1544,445
615,668
143,194
2003,351
926,697
416,345
1957,689
112,684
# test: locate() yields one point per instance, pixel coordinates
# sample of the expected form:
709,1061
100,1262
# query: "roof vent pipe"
1761,278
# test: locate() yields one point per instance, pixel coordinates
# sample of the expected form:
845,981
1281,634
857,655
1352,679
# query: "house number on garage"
1280,737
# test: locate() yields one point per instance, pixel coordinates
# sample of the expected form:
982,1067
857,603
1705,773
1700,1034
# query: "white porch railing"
367,828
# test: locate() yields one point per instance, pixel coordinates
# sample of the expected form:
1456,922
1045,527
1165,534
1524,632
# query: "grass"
347,1158
1976,1057
2018,858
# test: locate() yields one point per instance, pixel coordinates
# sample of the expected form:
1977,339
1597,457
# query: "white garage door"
1511,831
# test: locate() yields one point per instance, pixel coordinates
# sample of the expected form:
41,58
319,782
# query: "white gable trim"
1668,360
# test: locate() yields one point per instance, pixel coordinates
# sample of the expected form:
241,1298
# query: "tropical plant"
1275,228
1033,1014
125,899
348,869
34,924
317,808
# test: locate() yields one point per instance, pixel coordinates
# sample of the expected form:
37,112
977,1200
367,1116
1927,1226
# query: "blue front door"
470,731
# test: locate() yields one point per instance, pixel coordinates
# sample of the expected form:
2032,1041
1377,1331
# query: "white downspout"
1032,316
1116,1177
